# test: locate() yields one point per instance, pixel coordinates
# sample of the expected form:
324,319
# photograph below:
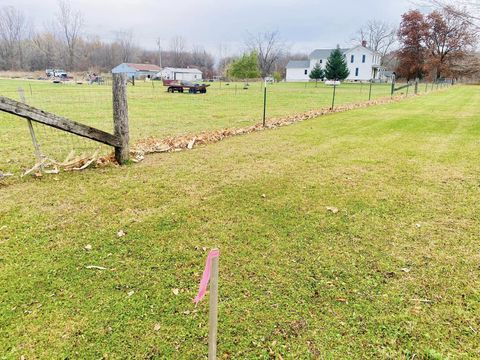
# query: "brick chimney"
364,43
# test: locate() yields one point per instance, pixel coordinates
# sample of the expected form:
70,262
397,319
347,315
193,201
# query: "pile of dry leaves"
71,163
186,142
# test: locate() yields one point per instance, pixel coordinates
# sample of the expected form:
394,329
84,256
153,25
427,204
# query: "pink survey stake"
206,276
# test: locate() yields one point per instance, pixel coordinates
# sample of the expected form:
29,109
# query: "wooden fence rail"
119,140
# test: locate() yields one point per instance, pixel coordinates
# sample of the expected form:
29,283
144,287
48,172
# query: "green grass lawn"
394,274
156,113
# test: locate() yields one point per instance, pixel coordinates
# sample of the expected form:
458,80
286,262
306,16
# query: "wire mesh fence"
156,113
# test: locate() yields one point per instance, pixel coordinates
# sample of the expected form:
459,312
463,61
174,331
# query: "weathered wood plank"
29,112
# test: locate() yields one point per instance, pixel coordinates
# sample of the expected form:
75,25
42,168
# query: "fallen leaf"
130,293
341,300
88,247
332,209
406,270
175,291
121,233
156,327
264,196
95,267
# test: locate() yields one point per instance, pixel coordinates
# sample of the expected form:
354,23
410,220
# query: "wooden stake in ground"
210,274
213,311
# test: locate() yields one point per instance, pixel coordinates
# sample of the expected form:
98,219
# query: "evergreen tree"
336,68
317,73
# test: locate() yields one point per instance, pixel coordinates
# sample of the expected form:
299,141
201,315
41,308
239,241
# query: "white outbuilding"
187,74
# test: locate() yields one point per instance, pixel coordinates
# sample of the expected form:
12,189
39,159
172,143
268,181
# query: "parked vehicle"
180,86
56,73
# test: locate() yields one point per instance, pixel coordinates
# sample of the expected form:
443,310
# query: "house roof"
324,53
298,64
363,47
184,70
145,67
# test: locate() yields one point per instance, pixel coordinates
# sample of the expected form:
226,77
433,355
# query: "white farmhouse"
363,64
187,74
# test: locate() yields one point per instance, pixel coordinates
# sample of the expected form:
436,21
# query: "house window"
321,61
306,72
352,58
363,58
356,71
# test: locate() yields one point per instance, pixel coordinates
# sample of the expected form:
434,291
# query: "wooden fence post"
120,117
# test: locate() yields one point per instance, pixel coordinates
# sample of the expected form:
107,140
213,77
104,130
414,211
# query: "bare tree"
177,48
48,47
125,40
268,47
201,59
70,23
380,36
12,32
469,10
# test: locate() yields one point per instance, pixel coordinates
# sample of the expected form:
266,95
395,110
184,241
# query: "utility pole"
159,44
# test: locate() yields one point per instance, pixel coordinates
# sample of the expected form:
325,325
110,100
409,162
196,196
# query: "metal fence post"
264,103
333,97
370,90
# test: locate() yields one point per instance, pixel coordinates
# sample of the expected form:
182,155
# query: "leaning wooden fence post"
38,153
213,311
120,117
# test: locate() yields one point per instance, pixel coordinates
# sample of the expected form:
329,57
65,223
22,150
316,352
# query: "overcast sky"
303,24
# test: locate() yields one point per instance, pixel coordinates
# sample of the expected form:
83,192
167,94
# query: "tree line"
63,44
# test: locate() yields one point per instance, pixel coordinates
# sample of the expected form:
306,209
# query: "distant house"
187,74
363,64
138,71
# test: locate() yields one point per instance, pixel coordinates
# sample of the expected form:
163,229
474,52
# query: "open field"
156,113
394,274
